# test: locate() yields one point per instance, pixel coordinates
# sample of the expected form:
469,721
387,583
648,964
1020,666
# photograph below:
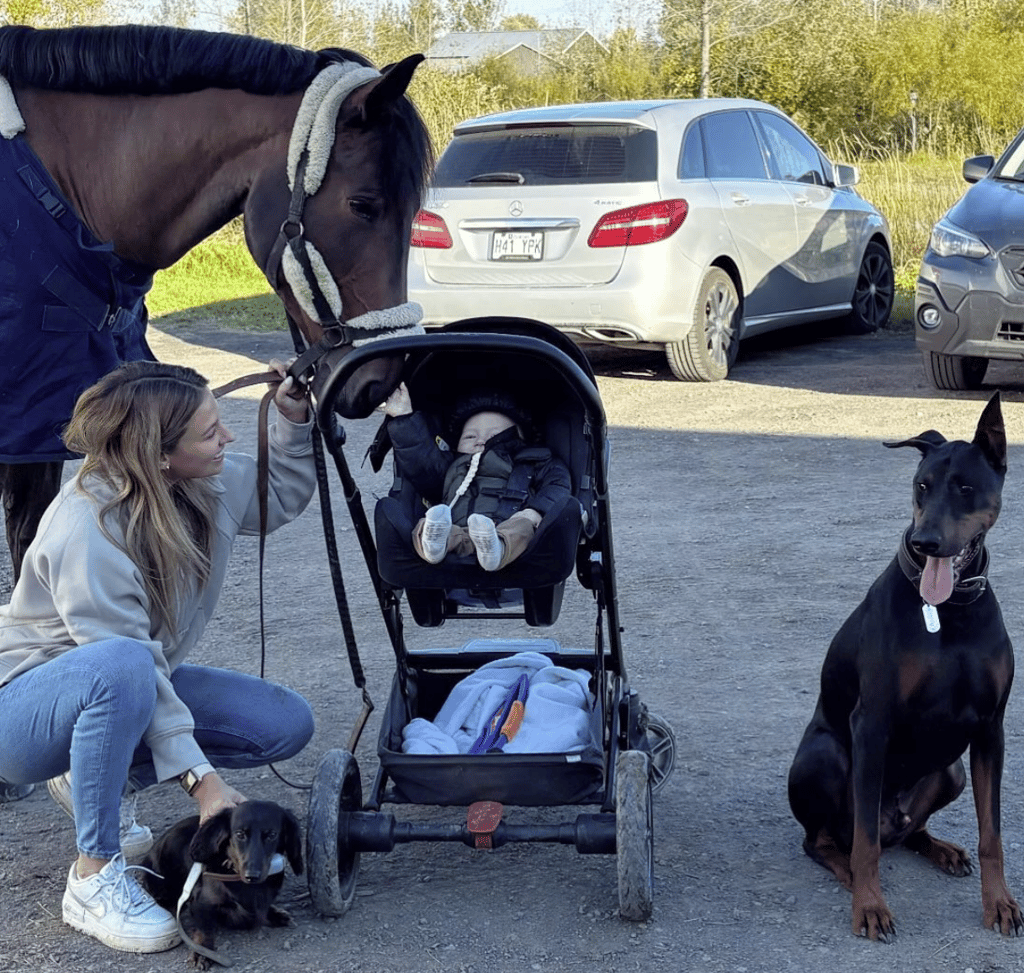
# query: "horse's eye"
364,208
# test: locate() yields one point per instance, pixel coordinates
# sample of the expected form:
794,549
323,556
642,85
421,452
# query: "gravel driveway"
750,516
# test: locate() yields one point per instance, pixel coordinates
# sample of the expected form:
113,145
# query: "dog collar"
276,867
965,590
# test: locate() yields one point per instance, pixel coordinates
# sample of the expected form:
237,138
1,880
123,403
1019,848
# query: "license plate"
517,245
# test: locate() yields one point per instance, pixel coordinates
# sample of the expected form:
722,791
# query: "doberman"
919,672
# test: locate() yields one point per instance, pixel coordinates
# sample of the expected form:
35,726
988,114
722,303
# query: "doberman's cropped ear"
990,436
212,837
926,442
290,844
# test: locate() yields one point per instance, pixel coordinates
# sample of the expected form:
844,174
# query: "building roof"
473,46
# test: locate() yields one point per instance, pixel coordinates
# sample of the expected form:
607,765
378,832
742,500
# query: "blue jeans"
86,710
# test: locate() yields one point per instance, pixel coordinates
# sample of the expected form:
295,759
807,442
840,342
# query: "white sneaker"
112,907
435,533
484,536
136,839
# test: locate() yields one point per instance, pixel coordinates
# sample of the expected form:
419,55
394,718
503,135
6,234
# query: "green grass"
220,279
912,193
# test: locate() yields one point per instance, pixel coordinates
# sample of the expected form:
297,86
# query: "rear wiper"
516,177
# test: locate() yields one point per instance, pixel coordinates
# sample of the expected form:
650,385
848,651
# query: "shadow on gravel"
818,357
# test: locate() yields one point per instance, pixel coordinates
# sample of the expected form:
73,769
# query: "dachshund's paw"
196,961
278,917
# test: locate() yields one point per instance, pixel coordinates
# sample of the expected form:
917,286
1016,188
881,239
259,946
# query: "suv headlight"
948,240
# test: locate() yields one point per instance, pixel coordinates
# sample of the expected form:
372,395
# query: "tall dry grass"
912,192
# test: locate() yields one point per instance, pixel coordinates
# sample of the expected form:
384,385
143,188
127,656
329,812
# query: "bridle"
295,256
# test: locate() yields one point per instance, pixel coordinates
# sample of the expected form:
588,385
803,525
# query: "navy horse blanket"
70,309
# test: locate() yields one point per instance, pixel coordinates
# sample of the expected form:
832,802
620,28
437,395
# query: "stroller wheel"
332,863
661,745
634,834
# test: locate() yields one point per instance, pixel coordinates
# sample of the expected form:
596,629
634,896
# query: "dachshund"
240,852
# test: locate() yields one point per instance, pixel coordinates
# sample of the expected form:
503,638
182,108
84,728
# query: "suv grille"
1012,259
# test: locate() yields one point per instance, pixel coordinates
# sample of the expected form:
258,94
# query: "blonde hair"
125,424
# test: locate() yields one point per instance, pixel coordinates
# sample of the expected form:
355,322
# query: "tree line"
872,77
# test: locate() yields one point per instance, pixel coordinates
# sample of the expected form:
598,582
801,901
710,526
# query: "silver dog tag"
931,617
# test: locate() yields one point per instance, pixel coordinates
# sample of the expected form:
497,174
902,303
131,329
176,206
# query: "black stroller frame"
633,750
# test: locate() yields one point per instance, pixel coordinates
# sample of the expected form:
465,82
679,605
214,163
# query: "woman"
115,591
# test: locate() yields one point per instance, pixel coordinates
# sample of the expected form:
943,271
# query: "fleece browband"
313,133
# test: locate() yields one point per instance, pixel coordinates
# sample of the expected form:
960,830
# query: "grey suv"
969,306
685,225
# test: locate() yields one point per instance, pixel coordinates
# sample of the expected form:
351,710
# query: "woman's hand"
290,403
214,794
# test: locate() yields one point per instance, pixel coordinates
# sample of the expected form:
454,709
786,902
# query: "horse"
129,145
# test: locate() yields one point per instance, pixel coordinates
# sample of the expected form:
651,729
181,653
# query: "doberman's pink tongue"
937,580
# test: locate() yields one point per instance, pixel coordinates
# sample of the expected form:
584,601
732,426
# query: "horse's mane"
135,59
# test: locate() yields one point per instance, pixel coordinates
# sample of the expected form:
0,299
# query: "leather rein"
327,518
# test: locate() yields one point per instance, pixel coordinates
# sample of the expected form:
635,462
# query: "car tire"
874,292
709,349
960,373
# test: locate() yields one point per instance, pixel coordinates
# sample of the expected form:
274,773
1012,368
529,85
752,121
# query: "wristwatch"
192,778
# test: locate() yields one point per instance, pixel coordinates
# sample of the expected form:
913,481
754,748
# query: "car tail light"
429,230
635,225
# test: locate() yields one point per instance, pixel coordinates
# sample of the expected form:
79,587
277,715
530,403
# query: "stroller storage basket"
525,779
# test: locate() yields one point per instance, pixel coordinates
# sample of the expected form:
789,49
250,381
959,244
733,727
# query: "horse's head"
360,182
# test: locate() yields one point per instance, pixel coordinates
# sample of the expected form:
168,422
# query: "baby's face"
481,427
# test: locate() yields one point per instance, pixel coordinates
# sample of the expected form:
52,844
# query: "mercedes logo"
515,208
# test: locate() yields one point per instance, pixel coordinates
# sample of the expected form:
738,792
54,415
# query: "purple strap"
492,738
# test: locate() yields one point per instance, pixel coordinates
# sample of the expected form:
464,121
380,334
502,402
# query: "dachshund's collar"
197,871
965,590
276,867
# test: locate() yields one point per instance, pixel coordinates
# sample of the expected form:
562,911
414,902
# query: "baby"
470,510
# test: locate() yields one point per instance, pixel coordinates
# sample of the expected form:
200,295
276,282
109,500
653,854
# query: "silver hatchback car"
685,225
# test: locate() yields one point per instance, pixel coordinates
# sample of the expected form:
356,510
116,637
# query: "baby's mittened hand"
399,402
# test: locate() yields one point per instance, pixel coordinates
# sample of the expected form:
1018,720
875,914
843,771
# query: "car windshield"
1012,167
550,155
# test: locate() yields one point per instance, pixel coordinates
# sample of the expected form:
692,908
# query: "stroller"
620,754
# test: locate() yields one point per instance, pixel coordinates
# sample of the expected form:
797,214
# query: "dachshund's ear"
212,837
290,844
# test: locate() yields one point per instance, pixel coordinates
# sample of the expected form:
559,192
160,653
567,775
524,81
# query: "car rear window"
549,156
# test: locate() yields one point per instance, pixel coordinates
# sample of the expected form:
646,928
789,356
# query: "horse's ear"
394,80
